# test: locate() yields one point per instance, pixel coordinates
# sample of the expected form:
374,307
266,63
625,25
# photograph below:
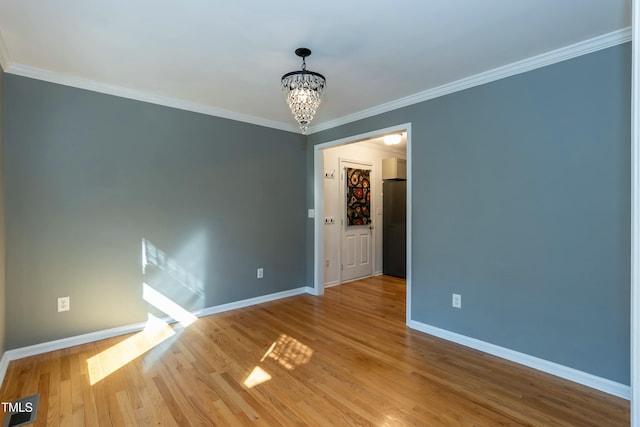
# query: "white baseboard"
250,301
580,377
46,347
561,371
330,284
4,364
312,291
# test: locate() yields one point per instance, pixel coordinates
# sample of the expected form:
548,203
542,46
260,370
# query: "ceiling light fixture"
303,91
393,139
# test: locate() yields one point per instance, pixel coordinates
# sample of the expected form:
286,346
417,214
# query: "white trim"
353,280
5,59
123,92
408,273
318,223
311,291
529,64
251,301
635,218
318,200
4,365
552,368
542,60
331,284
46,347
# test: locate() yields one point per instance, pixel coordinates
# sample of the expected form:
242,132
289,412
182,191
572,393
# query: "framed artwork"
358,196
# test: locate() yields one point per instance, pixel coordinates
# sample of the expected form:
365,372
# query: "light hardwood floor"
343,359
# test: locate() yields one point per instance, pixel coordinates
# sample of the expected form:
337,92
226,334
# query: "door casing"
318,205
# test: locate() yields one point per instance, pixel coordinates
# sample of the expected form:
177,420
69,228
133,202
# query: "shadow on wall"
179,279
172,291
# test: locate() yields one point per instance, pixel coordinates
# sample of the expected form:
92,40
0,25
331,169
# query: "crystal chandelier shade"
303,91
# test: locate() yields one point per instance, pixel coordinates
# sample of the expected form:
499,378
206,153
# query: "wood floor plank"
342,359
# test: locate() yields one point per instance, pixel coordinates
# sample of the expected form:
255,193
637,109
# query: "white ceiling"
378,143
226,58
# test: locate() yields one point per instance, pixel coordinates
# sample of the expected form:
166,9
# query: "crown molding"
123,92
529,64
564,53
5,60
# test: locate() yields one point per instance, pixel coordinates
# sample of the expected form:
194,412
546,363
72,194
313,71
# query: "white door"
357,220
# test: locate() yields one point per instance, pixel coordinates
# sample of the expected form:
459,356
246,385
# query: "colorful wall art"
358,197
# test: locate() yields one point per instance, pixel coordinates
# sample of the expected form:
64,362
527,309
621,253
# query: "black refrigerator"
394,227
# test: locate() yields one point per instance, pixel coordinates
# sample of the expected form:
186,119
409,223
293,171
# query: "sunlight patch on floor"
257,376
115,357
287,351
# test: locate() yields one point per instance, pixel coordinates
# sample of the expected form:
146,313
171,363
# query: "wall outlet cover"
456,300
63,304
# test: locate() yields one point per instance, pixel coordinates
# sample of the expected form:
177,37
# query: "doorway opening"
330,174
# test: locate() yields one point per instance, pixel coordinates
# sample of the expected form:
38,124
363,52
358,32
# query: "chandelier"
303,91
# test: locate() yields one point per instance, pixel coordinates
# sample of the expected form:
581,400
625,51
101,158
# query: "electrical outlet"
456,300
329,220
326,263
260,273
63,304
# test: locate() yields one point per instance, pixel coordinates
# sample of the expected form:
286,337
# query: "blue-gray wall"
89,176
521,203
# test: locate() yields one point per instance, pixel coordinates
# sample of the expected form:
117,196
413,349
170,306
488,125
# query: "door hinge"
341,267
